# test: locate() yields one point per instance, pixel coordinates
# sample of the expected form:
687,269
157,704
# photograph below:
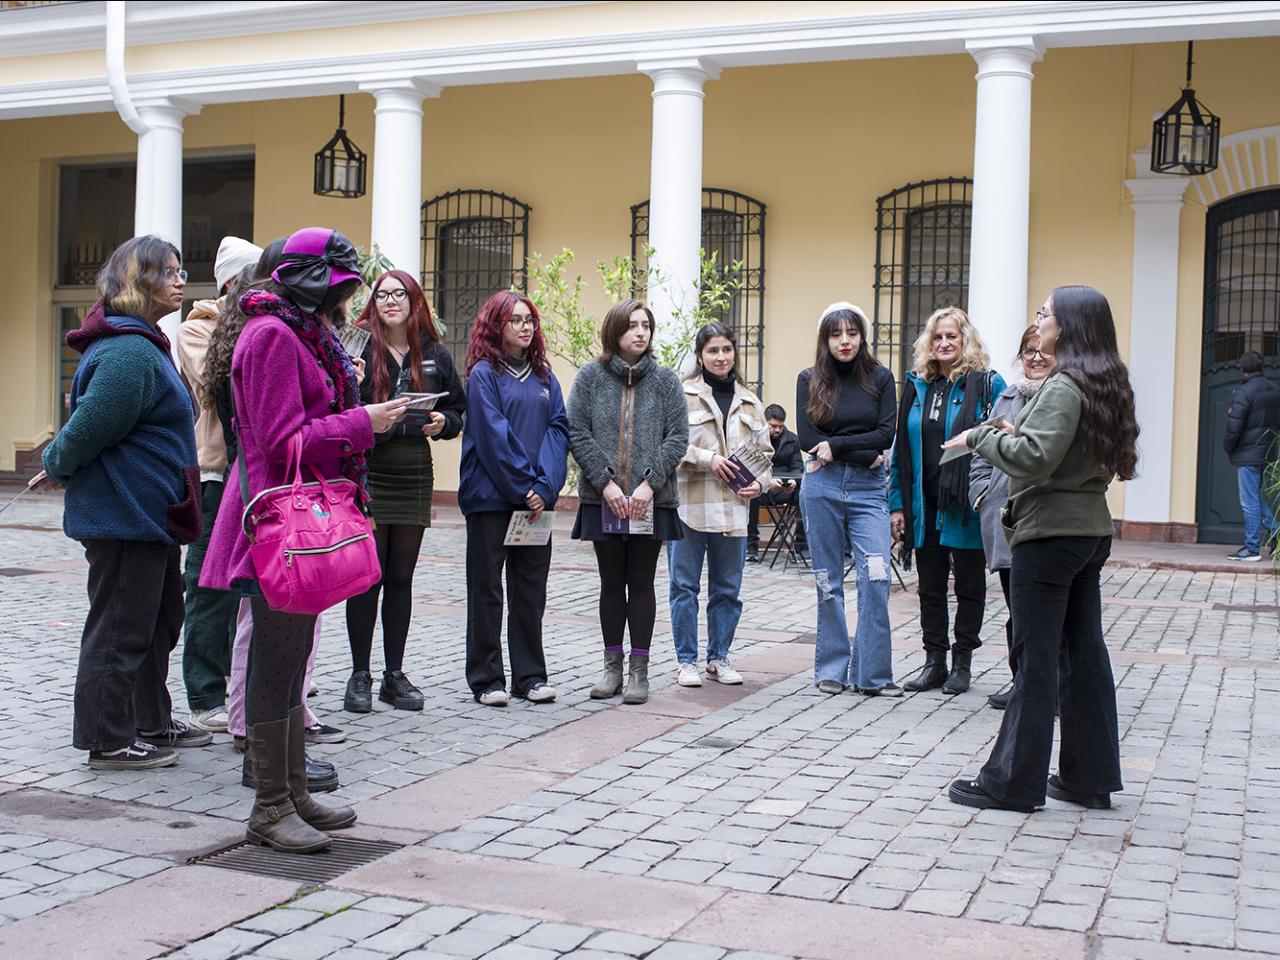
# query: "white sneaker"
213,720
541,692
722,671
687,675
497,697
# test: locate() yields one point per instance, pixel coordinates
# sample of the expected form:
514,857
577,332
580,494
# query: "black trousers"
1062,662
934,565
209,624
526,573
770,499
1003,574
627,568
134,621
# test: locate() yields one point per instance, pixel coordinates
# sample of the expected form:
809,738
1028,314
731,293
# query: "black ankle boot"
958,681
933,676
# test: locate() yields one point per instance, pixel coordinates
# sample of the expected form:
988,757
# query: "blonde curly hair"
973,354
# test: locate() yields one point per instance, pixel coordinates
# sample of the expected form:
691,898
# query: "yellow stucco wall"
817,143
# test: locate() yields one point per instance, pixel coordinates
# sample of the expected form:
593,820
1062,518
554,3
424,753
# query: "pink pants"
240,667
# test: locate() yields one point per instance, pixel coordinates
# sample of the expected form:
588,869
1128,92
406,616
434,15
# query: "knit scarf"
953,485
1029,388
324,345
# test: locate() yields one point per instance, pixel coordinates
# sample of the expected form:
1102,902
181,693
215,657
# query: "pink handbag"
310,543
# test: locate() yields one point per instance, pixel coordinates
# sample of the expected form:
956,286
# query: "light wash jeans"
847,506
726,556
1258,519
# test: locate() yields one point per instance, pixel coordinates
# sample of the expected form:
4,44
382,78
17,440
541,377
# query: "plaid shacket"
707,503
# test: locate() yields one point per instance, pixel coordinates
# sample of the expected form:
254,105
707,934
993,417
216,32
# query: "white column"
397,170
1157,209
675,186
1001,192
158,209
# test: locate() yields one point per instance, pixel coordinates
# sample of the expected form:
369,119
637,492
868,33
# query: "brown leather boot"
274,821
316,814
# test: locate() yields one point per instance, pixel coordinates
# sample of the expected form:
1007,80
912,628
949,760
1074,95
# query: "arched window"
922,261
474,243
732,228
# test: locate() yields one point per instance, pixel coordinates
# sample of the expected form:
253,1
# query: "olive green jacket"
1055,488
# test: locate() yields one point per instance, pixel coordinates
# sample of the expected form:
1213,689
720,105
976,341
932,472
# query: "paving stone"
1062,916
627,944
354,924
560,937
302,945
675,950
281,921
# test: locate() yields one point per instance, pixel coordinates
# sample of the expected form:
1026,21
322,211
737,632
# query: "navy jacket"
516,439
128,451
1253,422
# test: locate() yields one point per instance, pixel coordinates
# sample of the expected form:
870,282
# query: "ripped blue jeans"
847,507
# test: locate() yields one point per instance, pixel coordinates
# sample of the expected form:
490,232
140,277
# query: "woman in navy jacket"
514,457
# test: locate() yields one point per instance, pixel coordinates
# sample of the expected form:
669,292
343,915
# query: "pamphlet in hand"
749,463
610,523
524,531
955,453
353,339
420,406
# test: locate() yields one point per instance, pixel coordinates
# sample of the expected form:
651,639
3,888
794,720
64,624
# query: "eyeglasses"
521,323
1031,353
397,296
1042,316
172,274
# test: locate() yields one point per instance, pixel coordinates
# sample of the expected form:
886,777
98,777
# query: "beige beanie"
234,255
843,305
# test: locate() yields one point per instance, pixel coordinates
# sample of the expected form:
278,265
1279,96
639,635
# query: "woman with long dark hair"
1071,439
515,451
628,434
404,355
723,416
290,377
844,418
950,388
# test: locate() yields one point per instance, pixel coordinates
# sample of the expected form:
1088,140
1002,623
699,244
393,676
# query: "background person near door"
1071,438
404,354
207,625
723,415
989,487
515,451
1253,425
787,458
628,433
948,390
844,415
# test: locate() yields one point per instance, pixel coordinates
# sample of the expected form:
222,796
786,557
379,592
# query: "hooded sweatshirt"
128,451
193,347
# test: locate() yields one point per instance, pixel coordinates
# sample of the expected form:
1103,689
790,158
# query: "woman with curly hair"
514,457
948,390
1071,439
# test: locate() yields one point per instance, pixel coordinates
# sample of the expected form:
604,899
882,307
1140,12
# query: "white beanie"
843,305
234,255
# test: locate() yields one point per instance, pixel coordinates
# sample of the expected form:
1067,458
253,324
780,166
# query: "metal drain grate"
345,854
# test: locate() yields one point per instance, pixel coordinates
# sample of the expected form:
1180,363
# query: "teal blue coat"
956,530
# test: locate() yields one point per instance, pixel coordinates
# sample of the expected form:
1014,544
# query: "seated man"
787,460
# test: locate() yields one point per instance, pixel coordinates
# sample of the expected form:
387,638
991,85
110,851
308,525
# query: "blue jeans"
726,556
1257,514
843,505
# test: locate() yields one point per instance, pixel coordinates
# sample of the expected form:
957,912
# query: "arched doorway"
1241,312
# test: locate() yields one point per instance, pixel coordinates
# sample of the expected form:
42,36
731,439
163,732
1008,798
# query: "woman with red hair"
514,457
404,355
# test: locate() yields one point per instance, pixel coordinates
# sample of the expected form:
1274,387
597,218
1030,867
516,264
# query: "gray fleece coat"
627,424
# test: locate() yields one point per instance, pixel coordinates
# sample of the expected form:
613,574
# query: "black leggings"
627,568
398,546
278,654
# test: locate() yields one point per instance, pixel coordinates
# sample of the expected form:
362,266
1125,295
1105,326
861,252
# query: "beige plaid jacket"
707,503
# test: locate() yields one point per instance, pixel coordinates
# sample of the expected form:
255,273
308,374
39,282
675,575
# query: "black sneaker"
753,554
359,696
178,734
888,690
1000,701
323,733
136,756
399,692
1245,555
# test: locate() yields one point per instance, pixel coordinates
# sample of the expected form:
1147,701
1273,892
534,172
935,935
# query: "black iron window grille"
474,243
733,229
922,262
1242,279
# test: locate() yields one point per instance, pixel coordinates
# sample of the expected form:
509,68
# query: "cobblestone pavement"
799,800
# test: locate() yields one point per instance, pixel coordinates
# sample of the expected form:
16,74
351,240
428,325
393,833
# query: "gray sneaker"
540,692
830,687
176,734
213,720
1245,555
497,697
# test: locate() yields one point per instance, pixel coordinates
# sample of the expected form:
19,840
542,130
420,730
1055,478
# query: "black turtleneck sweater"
861,426
722,389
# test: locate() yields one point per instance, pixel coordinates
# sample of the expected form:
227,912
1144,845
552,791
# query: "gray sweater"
627,424
989,487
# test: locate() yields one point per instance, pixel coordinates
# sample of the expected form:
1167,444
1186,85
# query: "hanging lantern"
340,164
1184,139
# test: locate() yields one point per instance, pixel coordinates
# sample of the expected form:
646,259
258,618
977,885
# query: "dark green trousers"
210,618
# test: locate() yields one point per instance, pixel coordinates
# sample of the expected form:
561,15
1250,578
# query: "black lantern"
340,164
1185,137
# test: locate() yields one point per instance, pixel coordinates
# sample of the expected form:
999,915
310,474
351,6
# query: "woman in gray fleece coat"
989,487
628,431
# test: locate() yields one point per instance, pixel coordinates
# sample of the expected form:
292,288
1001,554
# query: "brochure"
610,523
354,339
420,407
749,462
524,531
